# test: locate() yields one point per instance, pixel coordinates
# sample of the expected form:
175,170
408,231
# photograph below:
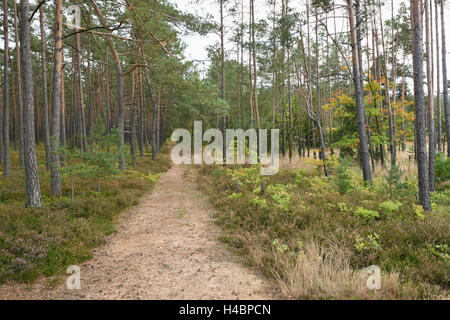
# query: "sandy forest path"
167,247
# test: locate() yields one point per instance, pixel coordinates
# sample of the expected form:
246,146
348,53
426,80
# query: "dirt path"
166,248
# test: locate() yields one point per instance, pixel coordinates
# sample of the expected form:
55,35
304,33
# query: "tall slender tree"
359,95
431,126
438,83
419,98
19,85
444,78
44,89
33,188
120,85
6,151
133,135
57,100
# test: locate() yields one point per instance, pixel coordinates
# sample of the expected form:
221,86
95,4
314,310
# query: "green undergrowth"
42,242
316,235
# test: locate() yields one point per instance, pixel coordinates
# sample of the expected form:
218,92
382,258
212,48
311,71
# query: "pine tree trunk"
255,69
424,191
387,94
56,101
402,103
6,152
222,52
133,122
431,127
1,118
37,111
438,71
158,120
360,109
14,101
250,85
44,90
89,86
108,96
444,78
366,122
141,116
33,189
80,96
155,132
121,97
63,136
19,86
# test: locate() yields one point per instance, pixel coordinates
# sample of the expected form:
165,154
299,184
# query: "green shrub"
388,207
342,179
442,198
281,195
343,207
371,243
441,251
442,168
366,214
394,182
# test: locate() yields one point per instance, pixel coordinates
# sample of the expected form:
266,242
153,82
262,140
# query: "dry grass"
403,161
307,242
327,274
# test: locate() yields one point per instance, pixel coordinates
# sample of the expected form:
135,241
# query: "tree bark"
1,117
6,152
360,109
387,94
14,111
444,78
154,139
80,95
255,69
119,74
431,126
57,101
141,116
44,89
424,191
133,122
438,71
33,189
19,86
63,139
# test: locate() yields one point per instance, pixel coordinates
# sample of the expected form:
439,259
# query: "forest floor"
167,247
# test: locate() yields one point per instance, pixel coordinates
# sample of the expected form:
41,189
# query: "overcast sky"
196,45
